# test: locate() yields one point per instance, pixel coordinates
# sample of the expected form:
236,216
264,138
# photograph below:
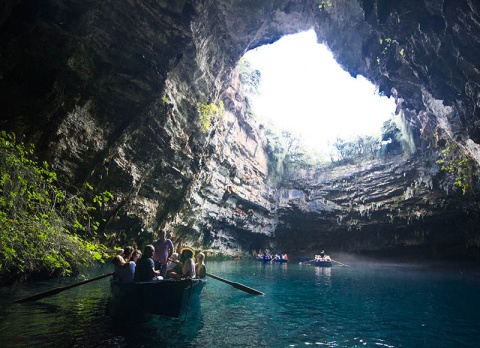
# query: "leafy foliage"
287,154
250,78
390,142
324,4
43,228
207,112
387,45
362,148
459,167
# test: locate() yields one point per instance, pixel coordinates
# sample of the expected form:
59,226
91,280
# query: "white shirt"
188,268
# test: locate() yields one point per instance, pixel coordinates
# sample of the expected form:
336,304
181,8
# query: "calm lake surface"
364,305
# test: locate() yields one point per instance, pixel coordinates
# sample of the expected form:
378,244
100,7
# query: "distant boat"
280,260
264,258
168,297
323,262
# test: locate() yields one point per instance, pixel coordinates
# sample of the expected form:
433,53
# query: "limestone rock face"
109,92
397,206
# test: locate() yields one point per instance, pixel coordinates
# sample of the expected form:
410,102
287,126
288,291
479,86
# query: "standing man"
163,251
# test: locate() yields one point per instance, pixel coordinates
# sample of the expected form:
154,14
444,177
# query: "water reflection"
283,266
323,271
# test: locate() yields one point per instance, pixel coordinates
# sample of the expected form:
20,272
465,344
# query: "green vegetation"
390,142
324,4
250,78
387,44
276,149
207,112
362,148
460,168
44,230
288,154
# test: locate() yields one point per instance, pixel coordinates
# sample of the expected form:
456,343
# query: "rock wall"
109,93
397,206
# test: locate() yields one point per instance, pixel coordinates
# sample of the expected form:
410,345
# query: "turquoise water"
363,305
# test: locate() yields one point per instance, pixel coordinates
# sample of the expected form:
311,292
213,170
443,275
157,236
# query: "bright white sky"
305,91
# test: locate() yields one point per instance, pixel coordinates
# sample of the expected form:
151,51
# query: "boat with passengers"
169,297
263,259
323,260
279,257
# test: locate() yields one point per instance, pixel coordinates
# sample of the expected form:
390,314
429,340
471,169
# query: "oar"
237,285
234,284
60,289
339,263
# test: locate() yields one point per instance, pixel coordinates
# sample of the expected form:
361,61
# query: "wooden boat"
280,260
169,297
323,262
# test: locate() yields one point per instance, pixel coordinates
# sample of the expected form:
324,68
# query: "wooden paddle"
237,285
60,289
339,263
234,284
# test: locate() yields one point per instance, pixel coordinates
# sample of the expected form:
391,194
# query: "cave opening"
300,88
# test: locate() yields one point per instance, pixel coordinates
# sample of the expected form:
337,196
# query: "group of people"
322,257
278,256
158,261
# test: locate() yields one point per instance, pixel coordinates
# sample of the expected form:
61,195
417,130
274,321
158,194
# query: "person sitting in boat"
118,257
172,264
163,251
172,261
200,267
145,269
322,257
136,255
128,271
187,264
127,253
118,263
124,268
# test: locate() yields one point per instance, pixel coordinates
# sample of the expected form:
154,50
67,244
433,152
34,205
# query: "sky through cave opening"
305,91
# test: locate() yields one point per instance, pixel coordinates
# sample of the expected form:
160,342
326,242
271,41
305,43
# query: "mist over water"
367,304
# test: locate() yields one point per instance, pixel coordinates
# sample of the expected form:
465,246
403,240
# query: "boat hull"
280,260
169,297
321,263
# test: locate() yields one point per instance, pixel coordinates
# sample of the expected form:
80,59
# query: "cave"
110,94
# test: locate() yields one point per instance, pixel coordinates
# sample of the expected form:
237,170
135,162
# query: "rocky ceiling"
109,92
